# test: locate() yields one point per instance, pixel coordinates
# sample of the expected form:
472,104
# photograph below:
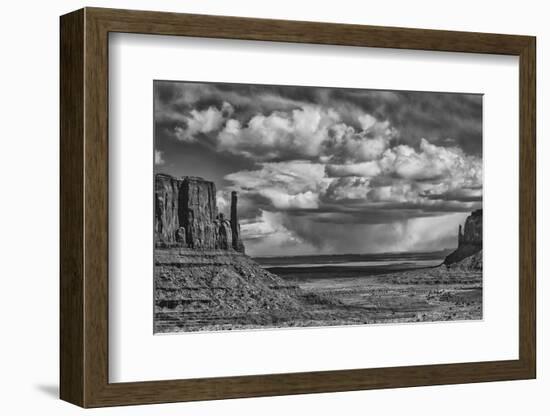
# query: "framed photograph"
260,207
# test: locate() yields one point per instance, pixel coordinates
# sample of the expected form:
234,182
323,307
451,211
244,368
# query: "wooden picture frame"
84,207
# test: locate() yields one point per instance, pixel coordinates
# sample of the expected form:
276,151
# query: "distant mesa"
186,215
470,240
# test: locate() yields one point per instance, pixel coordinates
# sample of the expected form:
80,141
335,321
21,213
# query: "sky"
327,170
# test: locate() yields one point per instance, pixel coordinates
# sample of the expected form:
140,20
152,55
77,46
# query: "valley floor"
434,294
419,295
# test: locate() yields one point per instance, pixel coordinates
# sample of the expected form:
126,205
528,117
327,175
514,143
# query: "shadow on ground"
51,390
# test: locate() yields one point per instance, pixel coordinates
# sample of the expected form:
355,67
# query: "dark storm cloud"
424,233
174,100
444,118
382,214
455,196
448,119
314,166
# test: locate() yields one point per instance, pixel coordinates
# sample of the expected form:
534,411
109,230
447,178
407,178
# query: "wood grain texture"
225,27
528,207
96,219
84,205
71,100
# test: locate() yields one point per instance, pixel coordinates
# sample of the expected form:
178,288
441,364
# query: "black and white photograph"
301,206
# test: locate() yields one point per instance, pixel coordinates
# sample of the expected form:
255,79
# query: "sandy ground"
434,294
421,295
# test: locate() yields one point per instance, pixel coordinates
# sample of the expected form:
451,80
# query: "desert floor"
420,295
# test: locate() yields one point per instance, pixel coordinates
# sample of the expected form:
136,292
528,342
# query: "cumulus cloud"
431,162
362,169
283,185
205,121
310,132
348,188
430,179
267,224
266,233
414,176
305,131
301,132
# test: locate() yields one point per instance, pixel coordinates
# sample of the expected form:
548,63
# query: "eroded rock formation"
220,289
470,240
235,226
473,262
186,215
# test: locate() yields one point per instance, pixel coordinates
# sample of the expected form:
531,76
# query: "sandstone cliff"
473,262
186,215
470,241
